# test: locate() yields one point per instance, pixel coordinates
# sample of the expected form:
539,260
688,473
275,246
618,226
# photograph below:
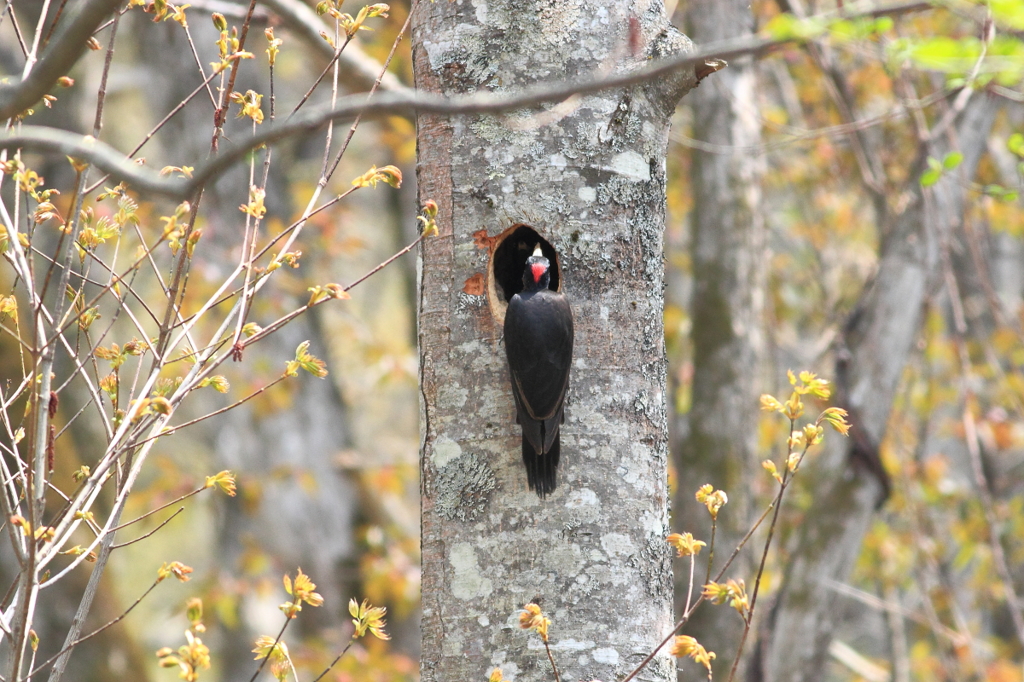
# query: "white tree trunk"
729,271
589,176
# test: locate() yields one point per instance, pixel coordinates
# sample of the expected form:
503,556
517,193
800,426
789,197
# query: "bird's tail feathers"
540,468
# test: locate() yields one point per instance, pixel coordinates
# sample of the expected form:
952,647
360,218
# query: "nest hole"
508,261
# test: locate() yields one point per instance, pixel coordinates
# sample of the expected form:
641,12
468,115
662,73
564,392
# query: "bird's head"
537,275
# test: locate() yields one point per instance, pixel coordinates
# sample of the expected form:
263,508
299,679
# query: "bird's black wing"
538,342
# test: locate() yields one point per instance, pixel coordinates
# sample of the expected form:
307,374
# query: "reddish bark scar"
474,286
482,241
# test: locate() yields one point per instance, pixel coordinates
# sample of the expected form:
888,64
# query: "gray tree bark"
589,175
879,338
719,435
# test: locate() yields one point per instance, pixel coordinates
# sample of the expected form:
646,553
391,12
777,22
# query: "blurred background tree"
879,199
847,203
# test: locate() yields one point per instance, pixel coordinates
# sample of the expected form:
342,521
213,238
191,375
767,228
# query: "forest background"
829,145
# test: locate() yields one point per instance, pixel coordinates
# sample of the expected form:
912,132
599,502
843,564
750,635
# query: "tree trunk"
589,176
878,339
727,247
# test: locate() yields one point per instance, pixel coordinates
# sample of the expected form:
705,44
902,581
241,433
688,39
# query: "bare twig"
150,533
551,659
323,74
359,70
749,617
199,65
689,584
61,53
56,20
335,661
158,126
17,28
373,90
280,322
700,600
711,549
266,658
222,410
90,593
110,161
159,509
67,649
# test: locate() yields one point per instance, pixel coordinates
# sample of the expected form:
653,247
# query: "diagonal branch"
60,55
359,69
109,160
838,89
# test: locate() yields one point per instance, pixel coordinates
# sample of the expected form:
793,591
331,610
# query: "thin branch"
280,322
33,52
373,90
689,584
324,176
749,618
266,658
179,283
199,65
222,410
97,126
95,632
300,221
386,263
335,661
700,600
17,29
115,279
160,508
110,161
146,535
56,20
106,286
89,595
60,54
711,550
221,297
158,126
14,335
359,70
551,658
323,74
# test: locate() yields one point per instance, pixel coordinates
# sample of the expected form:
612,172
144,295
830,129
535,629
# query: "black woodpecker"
538,343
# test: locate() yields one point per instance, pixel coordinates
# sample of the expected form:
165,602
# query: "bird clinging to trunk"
538,343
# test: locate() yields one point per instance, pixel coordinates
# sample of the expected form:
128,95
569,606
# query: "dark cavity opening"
509,260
